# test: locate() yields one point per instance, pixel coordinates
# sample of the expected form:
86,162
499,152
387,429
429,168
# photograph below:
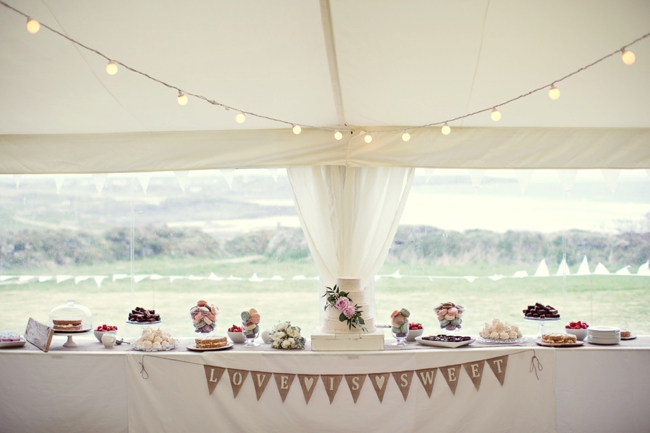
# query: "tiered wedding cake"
357,296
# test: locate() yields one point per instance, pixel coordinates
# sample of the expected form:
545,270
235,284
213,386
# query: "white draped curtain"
349,216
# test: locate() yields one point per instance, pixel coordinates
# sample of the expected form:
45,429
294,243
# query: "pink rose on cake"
349,311
343,303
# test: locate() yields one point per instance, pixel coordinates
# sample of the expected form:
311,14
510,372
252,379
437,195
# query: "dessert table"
90,388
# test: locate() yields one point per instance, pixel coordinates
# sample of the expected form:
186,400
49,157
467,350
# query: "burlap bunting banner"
308,384
212,376
331,382
355,382
404,380
427,377
379,381
260,380
451,373
475,372
498,366
284,381
237,378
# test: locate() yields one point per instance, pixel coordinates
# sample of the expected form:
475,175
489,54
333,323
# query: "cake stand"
540,329
70,342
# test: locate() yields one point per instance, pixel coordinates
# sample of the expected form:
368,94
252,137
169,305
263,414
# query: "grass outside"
603,300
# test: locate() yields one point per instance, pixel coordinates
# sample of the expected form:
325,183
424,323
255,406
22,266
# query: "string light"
182,98
111,68
553,92
495,115
33,26
446,129
406,136
367,138
296,129
628,57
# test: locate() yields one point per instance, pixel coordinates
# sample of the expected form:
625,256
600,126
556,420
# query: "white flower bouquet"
286,336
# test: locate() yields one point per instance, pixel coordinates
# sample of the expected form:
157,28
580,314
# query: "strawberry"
584,326
572,324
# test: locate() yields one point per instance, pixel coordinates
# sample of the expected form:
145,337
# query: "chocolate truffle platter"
446,341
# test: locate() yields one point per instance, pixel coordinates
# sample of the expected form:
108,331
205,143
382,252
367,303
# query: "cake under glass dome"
72,311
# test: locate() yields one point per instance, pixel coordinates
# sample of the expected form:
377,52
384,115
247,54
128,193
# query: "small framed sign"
39,335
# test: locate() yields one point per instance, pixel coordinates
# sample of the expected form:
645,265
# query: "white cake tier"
332,324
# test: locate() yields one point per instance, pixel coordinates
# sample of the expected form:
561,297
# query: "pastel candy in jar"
400,322
204,317
449,315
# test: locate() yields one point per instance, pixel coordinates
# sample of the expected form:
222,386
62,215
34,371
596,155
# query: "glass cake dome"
72,311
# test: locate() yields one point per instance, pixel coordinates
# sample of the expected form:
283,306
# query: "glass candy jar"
204,319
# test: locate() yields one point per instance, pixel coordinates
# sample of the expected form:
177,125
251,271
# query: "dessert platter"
142,316
155,341
211,344
627,335
447,341
10,339
500,333
559,340
541,313
69,328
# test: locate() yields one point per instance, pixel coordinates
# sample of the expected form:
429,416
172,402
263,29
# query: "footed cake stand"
70,342
540,329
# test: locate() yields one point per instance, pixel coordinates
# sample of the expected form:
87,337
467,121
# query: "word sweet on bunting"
355,382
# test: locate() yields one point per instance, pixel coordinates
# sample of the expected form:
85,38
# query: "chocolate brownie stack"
141,315
540,311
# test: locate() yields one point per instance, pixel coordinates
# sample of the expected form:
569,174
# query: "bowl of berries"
104,329
235,334
579,329
415,330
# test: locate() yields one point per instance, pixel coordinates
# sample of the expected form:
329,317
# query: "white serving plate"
543,343
482,340
151,349
208,349
144,323
443,343
549,319
631,337
9,344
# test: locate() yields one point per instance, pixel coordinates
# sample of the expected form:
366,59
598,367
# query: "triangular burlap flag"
307,383
404,380
331,382
260,380
379,382
451,373
237,378
427,377
284,382
355,382
213,375
498,366
475,371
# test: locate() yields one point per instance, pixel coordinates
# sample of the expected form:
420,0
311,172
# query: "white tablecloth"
584,389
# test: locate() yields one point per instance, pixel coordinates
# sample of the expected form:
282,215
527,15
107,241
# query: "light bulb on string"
628,57
240,117
406,136
296,129
553,92
337,135
367,138
495,115
111,68
33,26
446,129
182,98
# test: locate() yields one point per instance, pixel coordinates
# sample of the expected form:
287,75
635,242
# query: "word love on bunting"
355,382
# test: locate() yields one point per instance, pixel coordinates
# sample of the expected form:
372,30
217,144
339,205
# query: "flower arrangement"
349,313
286,336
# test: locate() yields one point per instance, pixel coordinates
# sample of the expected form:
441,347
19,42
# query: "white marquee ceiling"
403,63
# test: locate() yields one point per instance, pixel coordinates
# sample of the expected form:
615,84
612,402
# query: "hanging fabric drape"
349,216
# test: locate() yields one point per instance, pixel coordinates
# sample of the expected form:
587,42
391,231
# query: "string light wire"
324,128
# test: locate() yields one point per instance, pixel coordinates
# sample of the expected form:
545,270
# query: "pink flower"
349,311
342,303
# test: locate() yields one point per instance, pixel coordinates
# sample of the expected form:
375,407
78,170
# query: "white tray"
151,349
449,345
511,341
9,344
208,349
